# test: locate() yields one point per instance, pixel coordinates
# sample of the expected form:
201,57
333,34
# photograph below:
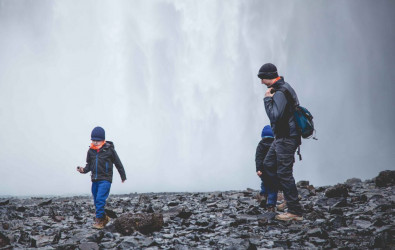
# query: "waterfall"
174,85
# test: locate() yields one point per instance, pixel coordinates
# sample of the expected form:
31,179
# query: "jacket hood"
109,144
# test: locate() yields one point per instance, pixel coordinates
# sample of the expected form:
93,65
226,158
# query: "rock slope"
355,215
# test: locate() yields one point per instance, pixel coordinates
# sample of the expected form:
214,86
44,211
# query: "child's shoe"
99,223
282,206
271,208
106,219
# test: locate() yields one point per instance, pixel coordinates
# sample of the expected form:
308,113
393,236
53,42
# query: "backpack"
304,121
303,117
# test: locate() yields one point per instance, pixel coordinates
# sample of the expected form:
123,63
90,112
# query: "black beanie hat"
98,134
268,71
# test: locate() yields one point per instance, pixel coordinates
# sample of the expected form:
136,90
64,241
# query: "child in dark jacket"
99,161
269,197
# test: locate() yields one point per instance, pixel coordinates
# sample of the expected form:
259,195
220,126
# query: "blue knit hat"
267,132
98,134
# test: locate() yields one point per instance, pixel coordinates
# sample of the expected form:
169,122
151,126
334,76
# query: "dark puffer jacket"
101,163
261,152
280,110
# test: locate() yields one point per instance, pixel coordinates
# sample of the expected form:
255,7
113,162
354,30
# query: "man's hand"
259,173
268,94
80,169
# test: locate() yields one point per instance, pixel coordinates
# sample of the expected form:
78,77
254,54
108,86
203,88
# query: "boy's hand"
259,173
80,169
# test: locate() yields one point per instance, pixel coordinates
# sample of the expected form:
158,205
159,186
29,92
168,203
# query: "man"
280,100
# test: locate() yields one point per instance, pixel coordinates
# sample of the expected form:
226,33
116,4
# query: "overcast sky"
174,85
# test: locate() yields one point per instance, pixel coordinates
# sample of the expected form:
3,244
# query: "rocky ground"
352,215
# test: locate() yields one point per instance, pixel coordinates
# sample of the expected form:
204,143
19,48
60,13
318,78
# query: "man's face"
267,82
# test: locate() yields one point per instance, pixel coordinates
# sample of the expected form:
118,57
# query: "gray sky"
174,85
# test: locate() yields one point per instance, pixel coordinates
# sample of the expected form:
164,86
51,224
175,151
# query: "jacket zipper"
97,157
106,167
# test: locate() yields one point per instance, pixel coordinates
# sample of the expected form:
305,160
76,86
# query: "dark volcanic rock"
317,232
21,209
385,178
184,213
45,203
301,184
144,223
111,213
339,190
6,202
88,246
4,240
354,215
353,181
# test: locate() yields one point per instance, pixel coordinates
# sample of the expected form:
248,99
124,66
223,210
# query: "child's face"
96,143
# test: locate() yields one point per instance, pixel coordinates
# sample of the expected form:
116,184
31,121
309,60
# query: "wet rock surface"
352,215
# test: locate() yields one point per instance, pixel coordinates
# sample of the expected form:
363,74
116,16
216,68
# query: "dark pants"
100,192
278,171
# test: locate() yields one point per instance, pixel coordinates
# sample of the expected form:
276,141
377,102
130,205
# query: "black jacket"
280,109
261,152
101,163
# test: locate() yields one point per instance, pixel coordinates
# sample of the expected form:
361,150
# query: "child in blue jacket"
99,161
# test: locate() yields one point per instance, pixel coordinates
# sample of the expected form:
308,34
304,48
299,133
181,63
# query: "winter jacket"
101,163
280,110
261,151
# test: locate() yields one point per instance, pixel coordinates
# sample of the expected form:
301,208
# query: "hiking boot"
106,219
98,224
289,217
280,196
271,209
282,206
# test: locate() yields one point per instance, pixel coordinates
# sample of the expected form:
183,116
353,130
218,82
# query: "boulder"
126,224
385,178
339,190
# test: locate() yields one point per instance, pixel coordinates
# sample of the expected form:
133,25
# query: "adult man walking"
280,100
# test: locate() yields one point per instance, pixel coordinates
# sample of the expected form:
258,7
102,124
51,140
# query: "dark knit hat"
98,134
268,71
267,131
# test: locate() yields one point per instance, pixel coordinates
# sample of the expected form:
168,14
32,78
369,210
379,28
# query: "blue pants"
271,195
100,192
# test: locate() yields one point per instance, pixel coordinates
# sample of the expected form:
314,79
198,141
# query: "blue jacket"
280,110
100,164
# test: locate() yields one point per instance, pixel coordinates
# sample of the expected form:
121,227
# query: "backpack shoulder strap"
288,96
290,99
